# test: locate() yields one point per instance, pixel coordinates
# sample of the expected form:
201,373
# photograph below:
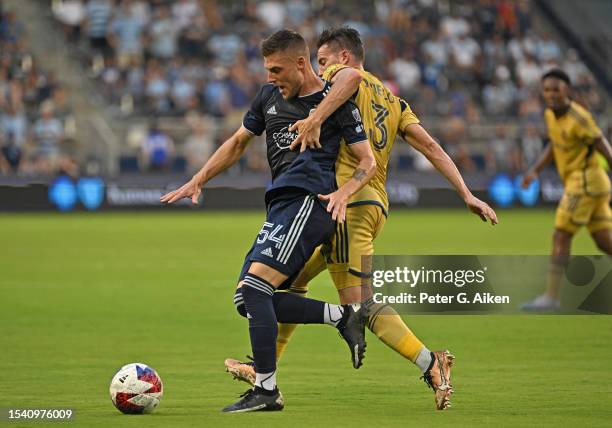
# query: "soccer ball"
136,388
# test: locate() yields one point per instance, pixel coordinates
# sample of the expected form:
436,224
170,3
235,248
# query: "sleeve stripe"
355,142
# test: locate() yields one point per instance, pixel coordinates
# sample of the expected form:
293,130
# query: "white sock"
424,359
266,381
332,314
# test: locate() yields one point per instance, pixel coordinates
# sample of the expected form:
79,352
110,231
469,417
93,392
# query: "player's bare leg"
603,239
549,301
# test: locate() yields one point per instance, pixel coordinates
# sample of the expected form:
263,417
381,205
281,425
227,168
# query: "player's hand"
336,205
527,179
192,189
481,209
309,131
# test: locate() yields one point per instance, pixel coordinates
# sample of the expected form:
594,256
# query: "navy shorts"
296,224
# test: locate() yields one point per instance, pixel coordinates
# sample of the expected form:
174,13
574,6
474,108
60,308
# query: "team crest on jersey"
356,115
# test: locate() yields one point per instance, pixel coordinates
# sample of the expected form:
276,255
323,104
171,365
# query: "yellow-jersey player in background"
340,58
575,140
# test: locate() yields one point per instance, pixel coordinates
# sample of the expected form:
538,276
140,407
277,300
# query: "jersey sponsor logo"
284,138
267,252
271,110
356,115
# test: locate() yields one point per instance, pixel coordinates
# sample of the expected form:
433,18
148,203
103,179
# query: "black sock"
263,328
293,309
265,391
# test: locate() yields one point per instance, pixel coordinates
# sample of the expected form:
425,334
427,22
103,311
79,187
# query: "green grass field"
83,294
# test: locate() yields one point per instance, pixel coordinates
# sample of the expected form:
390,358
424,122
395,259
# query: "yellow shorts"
577,210
342,257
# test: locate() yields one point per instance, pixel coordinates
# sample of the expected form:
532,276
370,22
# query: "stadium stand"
36,121
470,69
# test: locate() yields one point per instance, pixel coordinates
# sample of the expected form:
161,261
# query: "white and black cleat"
257,400
352,330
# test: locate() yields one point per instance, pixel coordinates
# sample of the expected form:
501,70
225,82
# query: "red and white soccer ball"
136,388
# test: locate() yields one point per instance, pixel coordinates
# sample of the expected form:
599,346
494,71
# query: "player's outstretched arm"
225,156
366,169
545,158
346,82
420,139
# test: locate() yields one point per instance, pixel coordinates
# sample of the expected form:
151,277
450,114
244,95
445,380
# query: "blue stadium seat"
479,161
405,162
128,164
179,164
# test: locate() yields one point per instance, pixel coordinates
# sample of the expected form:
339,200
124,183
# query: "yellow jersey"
573,136
383,116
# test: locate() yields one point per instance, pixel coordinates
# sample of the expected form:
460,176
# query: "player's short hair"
284,40
344,38
557,73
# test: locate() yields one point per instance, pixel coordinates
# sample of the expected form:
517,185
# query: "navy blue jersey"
312,170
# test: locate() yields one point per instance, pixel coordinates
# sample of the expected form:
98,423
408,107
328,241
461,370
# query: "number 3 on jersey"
379,122
266,234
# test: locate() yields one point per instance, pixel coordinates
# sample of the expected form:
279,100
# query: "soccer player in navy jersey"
303,204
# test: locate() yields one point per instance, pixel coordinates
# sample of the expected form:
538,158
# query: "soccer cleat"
241,370
542,303
352,330
255,400
437,377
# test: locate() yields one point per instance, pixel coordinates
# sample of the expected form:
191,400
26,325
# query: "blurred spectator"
502,153
406,72
531,145
12,138
499,96
48,132
71,13
49,156
453,139
13,125
528,71
184,12
272,13
164,34
97,16
454,26
199,144
157,88
548,49
126,33
156,150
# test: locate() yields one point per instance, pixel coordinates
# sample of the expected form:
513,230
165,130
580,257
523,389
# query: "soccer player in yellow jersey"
575,139
340,58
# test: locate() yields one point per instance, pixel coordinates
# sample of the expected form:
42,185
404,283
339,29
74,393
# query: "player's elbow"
431,149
